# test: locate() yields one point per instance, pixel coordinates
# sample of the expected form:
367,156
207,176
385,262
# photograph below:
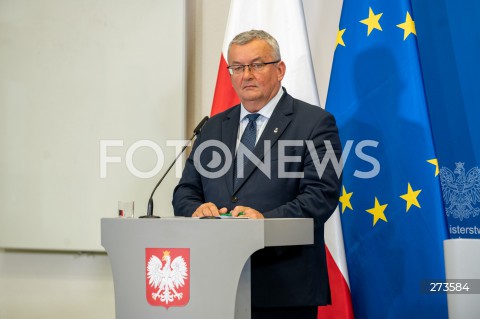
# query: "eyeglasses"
252,67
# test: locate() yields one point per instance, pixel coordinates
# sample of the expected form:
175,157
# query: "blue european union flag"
392,213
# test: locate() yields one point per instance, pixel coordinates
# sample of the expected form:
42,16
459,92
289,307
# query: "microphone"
196,131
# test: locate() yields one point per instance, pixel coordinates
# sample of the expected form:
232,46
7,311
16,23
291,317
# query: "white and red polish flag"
285,21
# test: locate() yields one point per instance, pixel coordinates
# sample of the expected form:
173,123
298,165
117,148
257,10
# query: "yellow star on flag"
345,199
411,197
378,212
408,26
339,38
434,161
373,21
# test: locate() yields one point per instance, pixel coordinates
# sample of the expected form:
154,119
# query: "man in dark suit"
292,141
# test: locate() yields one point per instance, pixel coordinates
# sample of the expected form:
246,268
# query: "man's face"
255,88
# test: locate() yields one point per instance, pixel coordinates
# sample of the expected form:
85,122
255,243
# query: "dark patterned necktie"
248,140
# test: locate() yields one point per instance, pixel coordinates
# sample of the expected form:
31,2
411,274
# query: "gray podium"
219,261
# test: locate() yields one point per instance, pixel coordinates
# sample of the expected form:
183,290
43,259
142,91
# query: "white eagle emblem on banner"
461,192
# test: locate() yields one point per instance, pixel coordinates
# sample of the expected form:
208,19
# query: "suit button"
234,199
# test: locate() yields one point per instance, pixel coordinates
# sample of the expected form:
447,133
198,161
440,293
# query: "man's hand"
209,209
247,212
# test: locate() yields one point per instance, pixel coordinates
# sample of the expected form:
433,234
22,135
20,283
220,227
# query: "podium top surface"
273,231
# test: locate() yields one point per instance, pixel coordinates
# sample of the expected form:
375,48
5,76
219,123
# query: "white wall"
63,285
55,285
75,74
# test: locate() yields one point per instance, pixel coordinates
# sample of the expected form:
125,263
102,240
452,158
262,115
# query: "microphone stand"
196,131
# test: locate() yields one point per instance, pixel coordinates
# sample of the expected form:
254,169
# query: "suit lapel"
229,138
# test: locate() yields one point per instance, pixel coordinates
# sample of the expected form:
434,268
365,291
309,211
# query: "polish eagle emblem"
166,280
461,191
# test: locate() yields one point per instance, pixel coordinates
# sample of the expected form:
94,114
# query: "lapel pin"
275,130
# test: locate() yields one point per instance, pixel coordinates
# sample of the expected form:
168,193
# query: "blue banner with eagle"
393,217
451,71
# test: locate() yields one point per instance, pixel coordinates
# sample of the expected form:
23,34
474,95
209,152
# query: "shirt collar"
265,111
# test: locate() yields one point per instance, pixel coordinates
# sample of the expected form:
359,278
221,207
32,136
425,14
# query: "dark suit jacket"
281,276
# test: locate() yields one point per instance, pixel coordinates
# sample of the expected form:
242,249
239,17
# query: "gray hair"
248,36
